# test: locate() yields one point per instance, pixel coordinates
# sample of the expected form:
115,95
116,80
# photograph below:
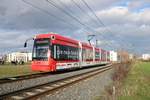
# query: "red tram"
52,52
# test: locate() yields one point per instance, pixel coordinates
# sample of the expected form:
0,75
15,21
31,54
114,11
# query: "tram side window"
61,52
108,56
97,55
83,55
87,54
103,56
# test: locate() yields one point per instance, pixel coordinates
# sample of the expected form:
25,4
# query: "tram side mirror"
25,44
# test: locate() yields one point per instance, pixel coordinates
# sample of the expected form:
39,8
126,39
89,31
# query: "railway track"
22,77
31,76
43,89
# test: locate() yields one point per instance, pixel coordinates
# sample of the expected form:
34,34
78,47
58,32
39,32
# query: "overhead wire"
70,15
67,13
48,13
99,20
45,11
56,17
66,7
83,11
73,17
62,3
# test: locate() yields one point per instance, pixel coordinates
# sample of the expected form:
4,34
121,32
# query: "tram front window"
40,49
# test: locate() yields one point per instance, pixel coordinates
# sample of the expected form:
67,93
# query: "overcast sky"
126,22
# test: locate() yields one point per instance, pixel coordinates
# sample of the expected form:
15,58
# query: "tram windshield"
40,49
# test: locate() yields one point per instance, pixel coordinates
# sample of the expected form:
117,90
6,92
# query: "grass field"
9,70
137,84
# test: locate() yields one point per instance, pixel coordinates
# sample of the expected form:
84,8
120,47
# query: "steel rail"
41,90
37,75
22,77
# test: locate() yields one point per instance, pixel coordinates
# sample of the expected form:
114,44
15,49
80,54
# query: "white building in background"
131,56
113,56
146,56
19,56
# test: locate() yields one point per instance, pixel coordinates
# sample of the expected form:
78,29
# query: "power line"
70,15
65,5
77,20
84,12
93,12
53,14
50,14
81,9
46,12
99,20
71,10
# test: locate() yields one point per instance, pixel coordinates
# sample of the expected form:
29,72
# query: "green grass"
9,70
137,84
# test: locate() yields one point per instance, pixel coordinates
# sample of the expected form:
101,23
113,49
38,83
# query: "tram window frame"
97,55
64,52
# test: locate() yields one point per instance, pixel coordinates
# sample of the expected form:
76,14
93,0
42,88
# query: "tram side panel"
67,56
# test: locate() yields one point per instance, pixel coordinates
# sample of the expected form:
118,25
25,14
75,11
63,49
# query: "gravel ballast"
18,85
88,89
